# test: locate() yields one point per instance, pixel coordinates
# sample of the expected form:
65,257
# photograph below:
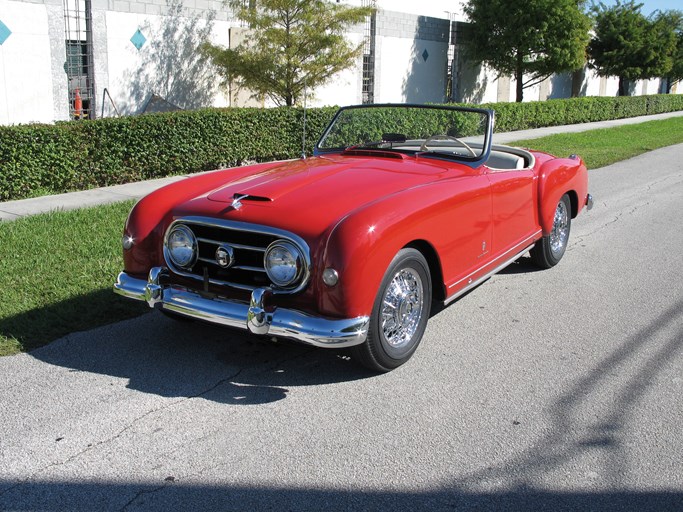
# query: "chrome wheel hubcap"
560,233
402,307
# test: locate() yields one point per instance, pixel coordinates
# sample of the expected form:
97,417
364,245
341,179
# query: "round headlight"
182,246
283,263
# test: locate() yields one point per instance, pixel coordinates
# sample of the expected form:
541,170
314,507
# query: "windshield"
450,132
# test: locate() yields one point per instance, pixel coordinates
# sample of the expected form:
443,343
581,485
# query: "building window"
368,83
79,58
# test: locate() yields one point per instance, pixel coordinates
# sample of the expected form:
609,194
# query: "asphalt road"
540,390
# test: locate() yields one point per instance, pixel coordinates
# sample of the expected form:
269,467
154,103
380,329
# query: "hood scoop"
238,197
249,197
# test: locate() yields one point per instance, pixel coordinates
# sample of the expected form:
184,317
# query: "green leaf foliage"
293,44
629,45
38,160
675,20
529,40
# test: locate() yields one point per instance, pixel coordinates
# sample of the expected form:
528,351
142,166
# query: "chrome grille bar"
246,271
233,245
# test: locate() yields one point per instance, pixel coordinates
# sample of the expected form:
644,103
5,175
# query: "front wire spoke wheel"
400,313
403,304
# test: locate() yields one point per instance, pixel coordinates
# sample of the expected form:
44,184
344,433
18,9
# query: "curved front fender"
361,246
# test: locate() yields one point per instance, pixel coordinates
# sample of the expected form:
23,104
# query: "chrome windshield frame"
466,160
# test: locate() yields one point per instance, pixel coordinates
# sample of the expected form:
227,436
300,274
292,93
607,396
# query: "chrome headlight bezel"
289,273
188,260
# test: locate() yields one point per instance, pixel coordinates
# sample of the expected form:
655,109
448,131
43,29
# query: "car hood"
307,196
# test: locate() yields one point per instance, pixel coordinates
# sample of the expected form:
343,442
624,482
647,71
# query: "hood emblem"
237,201
225,256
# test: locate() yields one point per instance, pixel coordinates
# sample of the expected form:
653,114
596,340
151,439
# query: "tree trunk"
623,86
519,76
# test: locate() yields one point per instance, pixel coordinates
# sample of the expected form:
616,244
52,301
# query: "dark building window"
79,58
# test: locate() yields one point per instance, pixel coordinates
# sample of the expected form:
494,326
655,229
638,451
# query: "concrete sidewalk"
11,210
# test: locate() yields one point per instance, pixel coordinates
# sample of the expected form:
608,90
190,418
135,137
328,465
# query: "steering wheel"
432,138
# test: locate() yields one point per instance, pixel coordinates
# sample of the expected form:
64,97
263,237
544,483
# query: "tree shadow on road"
173,494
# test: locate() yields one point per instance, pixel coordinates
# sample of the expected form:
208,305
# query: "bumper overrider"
256,316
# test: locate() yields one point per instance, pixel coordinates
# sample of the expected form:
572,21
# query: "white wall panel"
25,65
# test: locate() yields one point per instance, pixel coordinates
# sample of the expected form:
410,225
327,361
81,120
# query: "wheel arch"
435,271
574,201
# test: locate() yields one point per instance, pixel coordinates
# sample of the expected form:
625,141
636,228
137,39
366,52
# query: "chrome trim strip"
250,269
247,228
525,241
208,260
476,283
234,246
235,267
255,316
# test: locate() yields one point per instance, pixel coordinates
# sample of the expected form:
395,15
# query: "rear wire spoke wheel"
400,313
549,250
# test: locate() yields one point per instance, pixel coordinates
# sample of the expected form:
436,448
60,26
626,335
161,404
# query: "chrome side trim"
256,317
492,262
483,278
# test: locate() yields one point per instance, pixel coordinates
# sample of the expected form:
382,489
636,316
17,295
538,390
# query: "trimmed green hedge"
539,114
47,159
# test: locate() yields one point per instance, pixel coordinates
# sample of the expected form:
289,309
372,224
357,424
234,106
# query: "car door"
467,229
514,215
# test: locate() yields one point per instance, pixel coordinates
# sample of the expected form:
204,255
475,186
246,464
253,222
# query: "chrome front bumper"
256,316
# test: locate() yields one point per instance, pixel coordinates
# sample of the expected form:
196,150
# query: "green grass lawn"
599,148
56,275
57,269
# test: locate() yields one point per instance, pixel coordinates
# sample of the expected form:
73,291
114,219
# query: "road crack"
121,432
142,492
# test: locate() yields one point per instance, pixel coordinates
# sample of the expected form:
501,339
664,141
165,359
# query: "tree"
675,20
294,44
629,45
531,39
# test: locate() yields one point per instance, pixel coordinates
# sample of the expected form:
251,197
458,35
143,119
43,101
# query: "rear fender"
557,177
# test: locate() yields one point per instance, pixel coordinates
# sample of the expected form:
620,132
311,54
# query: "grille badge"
225,256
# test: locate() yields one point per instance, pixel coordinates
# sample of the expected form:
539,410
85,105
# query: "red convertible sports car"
401,206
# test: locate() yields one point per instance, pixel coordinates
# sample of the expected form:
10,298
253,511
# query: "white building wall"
411,52
345,88
406,76
411,58
168,64
26,64
432,8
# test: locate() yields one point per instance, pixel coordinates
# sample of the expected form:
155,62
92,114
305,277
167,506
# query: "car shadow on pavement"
523,265
173,358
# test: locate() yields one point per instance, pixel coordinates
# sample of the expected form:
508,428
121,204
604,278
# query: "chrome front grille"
248,243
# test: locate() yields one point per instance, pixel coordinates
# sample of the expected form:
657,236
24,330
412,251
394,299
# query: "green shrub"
47,159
